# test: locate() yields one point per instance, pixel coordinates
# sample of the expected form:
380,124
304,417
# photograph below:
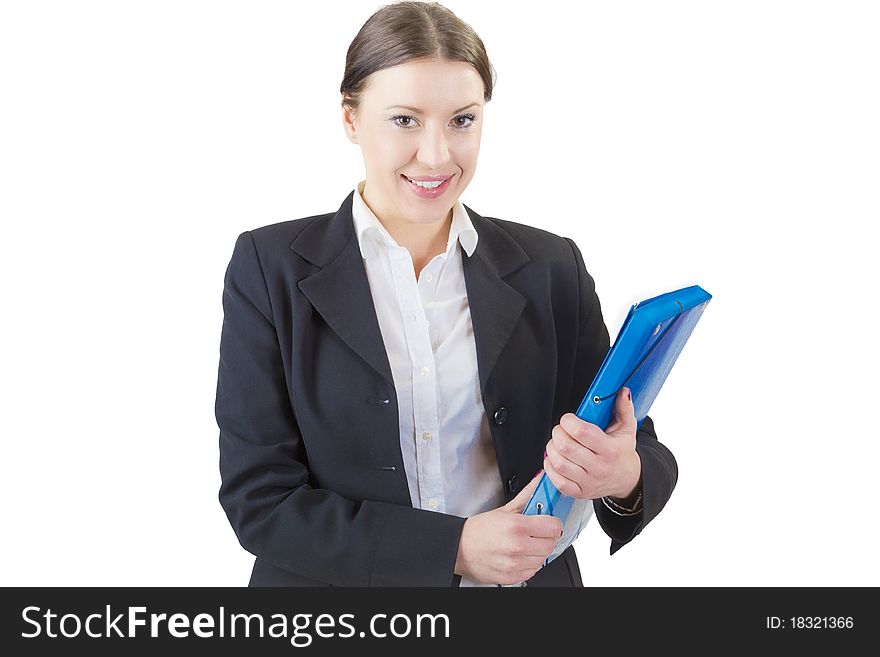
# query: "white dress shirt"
426,326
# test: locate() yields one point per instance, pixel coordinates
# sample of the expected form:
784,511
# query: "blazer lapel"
340,290
495,305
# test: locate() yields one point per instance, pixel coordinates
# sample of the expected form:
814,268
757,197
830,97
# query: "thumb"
624,413
518,503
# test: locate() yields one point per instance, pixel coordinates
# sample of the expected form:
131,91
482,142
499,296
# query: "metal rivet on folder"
539,507
596,399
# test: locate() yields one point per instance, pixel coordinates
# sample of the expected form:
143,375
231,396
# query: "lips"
426,178
427,192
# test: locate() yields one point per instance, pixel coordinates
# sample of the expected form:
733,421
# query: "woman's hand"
585,462
502,546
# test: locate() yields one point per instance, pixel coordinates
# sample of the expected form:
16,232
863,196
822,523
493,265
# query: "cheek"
392,147
466,151
382,153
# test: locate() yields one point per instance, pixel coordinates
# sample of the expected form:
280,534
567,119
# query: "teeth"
427,185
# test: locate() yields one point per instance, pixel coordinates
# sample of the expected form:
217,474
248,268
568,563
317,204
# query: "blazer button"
501,416
513,484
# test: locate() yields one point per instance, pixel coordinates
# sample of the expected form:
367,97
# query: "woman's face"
420,120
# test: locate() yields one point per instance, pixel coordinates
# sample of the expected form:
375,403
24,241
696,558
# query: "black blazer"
312,475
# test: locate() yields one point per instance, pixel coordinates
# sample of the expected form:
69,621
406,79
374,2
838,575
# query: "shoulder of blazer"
280,235
540,246
504,244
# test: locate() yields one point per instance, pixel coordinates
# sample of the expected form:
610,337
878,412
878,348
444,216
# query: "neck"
421,240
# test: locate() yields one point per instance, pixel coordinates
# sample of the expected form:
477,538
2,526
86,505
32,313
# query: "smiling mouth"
427,182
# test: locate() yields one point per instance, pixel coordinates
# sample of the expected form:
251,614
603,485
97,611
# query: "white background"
734,145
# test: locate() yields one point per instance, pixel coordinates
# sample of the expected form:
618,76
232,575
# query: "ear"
348,122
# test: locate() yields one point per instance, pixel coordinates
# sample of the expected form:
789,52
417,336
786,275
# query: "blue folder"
647,346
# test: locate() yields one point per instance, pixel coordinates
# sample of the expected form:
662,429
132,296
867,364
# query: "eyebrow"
418,111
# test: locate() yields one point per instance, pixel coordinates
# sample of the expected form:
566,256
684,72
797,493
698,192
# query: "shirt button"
424,371
429,278
512,484
432,504
501,416
426,435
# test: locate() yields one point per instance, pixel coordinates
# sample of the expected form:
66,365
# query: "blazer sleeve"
659,468
275,513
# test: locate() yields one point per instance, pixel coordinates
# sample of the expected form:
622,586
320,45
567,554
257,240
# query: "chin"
432,218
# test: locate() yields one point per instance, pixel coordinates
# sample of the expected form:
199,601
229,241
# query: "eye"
470,118
403,117
460,122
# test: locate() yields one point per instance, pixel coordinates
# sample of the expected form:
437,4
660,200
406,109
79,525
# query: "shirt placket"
424,382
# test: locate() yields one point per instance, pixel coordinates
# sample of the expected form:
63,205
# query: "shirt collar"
366,223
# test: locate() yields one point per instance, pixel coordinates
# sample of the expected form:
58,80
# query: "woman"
391,373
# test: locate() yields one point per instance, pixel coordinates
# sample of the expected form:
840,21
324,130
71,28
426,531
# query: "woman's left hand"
585,462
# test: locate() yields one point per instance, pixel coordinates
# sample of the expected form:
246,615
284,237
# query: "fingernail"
628,395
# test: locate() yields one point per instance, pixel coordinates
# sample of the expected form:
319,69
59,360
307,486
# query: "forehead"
424,84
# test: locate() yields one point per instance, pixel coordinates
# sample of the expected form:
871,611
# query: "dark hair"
405,31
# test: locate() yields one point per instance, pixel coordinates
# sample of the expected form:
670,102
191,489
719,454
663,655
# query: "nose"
433,149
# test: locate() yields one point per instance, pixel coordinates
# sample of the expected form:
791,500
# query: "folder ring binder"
647,355
598,400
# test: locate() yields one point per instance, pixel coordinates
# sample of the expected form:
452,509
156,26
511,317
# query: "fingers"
540,526
569,457
586,434
519,575
522,560
563,484
593,437
540,547
624,414
502,547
